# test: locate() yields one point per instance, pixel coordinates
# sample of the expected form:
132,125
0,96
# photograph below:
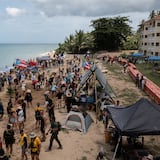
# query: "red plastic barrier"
123,61
151,89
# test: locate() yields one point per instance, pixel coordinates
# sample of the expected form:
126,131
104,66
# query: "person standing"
68,101
23,144
137,80
35,146
54,130
24,108
20,117
8,138
50,107
28,97
42,125
37,115
1,110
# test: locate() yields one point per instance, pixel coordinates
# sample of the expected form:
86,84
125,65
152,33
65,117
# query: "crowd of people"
58,87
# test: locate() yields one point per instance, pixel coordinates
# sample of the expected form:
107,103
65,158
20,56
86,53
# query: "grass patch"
147,70
84,158
129,96
113,68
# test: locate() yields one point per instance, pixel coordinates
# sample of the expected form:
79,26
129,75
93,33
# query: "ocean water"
10,52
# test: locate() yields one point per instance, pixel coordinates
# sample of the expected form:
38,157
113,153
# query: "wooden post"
95,88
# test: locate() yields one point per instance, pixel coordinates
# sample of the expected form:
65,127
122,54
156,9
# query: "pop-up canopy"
141,118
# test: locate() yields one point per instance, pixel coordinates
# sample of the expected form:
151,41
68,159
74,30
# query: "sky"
51,21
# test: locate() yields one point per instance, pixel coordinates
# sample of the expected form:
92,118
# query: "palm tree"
78,43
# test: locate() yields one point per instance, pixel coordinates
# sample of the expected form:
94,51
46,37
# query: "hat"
150,157
32,135
68,94
28,91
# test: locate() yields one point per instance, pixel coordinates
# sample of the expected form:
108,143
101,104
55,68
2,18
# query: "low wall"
150,88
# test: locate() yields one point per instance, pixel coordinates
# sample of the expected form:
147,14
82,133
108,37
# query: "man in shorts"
35,146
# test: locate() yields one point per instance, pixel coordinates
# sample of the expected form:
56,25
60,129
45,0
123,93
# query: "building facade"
149,43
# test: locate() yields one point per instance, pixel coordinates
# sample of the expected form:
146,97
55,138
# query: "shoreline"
10,52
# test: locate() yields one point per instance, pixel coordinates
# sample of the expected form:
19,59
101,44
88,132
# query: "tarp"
137,55
141,118
154,58
99,76
43,58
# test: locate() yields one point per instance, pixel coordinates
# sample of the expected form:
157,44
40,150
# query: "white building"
149,43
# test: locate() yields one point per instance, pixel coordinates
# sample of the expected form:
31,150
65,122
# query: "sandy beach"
76,145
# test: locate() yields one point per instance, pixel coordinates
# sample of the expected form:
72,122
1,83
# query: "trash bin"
107,136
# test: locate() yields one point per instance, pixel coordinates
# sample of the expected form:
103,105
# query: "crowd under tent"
139,119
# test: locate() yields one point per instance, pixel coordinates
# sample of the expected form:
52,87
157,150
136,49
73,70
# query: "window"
146,28
152,34
157,43
158,24
156,53
158,34
154,24
145,44
151,53
145,36
152,44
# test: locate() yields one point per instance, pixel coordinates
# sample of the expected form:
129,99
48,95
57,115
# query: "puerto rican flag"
22,66
20,61
86,65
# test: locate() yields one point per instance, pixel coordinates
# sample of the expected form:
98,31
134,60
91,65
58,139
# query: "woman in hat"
13,118
20,117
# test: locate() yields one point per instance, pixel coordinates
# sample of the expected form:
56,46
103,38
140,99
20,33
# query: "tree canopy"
110,33
80,42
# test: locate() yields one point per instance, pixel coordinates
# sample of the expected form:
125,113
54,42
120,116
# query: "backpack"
59,126
37,113
9,136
